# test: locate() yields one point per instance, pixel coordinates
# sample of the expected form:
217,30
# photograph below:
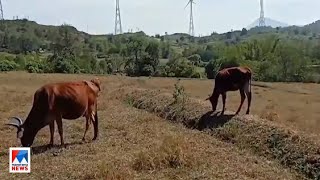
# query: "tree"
38,32
229,35
64,58
153,52
293,66
115,62
244,32
195,59
25,43
165,50
212,69
135,46
105,67
316,51
143,56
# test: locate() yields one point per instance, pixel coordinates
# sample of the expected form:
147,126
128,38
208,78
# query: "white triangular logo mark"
16,161
24,161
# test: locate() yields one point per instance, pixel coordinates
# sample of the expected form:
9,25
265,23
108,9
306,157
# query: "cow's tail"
249,78
95,123
250,82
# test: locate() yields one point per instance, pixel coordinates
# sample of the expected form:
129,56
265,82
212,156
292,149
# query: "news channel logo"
19,160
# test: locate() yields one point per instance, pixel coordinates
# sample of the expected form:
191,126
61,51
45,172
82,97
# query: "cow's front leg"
243,97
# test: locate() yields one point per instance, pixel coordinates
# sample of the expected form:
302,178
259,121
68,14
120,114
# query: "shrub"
195,59
227,63
6,65
212,69
180,67
20,60
37,66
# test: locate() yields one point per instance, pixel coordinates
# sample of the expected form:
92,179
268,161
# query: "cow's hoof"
49,146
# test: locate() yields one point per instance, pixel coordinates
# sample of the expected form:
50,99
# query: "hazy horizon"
158,17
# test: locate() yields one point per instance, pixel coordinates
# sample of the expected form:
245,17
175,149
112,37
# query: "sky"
160,16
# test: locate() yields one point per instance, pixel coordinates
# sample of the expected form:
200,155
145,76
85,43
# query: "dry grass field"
135,144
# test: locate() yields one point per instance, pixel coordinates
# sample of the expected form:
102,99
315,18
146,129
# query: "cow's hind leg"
224,97
51,125
249,95
60,128
87,127
243,97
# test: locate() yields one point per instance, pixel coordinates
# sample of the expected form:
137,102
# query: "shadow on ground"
44,148
212,120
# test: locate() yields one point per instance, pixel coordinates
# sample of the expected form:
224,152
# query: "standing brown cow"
232,79
52,102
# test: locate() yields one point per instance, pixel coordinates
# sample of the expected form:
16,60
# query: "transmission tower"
1,11
118,26
262,21
191,25
3,28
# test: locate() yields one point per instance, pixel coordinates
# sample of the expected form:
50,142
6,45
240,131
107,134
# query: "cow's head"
25,134
214,99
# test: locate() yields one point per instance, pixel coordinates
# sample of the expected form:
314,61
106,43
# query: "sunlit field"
136,144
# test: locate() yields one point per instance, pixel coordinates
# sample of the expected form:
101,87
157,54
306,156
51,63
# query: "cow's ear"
20,133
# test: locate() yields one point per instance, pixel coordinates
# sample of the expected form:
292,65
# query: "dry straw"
292,149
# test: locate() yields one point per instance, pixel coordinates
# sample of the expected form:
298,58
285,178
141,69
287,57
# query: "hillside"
34,36
313,27
21,35
33,47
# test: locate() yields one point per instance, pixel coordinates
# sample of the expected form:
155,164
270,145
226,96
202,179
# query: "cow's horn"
13,124
16,122
18,119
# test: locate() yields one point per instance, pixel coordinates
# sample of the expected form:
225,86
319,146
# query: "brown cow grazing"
232,79
57,101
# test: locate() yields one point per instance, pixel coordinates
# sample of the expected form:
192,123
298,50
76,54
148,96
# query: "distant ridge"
269,22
